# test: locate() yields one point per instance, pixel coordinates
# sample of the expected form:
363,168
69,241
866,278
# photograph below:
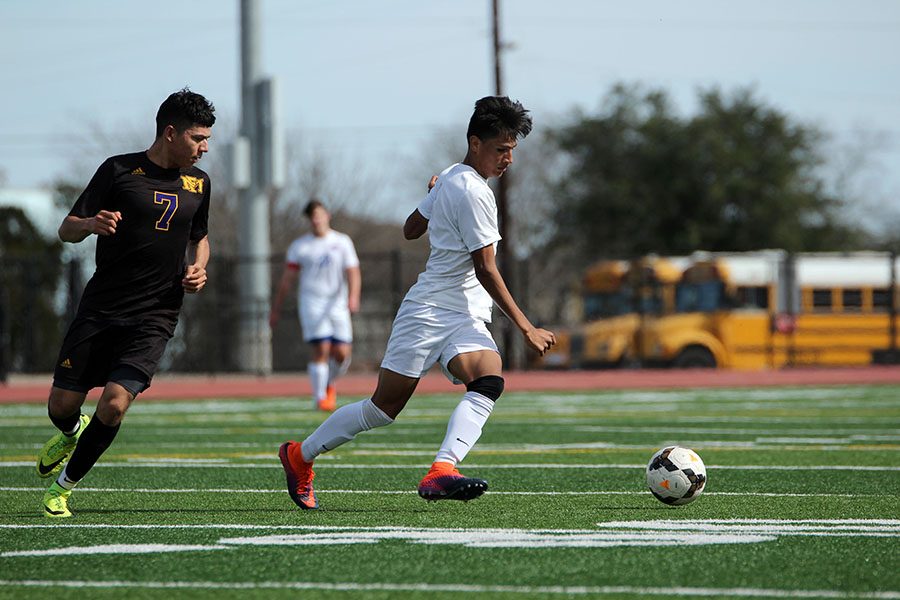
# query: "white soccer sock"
342,426
337,369
464,427
64,482
318,379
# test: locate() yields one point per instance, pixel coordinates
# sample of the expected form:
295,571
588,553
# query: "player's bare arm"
288,282
197,258
354,288
415,226
74,229
489,276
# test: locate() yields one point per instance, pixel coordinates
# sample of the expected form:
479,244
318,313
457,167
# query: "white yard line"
452,587
875,444
217,464
892,524
413,492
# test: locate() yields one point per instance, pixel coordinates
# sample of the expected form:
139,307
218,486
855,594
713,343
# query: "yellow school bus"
769,310
616,297
847,309
602,297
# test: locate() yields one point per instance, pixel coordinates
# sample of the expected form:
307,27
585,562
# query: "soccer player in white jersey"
442,318
329,289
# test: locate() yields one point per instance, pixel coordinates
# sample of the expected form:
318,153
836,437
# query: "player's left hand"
194,279
540,340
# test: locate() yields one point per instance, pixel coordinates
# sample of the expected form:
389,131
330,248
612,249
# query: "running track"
166,386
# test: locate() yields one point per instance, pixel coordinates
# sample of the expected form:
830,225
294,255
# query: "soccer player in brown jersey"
149,211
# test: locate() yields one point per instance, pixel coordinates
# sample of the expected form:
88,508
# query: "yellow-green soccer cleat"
57,450
56,502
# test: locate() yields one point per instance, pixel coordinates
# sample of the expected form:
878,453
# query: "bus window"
699,297
753,297
821,300
605,305
851,299
650,305
881,299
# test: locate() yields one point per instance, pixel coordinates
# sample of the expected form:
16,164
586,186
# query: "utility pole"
507,259
254,278
498,47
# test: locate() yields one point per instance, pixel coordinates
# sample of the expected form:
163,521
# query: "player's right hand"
104,222
540,340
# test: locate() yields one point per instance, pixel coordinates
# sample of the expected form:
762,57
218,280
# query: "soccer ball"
676,475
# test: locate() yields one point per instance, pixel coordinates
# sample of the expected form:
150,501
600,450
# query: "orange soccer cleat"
444,482
329,402
299,476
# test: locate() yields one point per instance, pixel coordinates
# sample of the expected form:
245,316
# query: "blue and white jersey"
323,262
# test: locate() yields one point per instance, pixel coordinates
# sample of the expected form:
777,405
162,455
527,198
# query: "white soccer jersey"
323,262
462,217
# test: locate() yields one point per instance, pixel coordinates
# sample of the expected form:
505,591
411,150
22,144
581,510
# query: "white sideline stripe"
608,535
115,549
452,587
895,523
889,528
215,463
769,444
413,492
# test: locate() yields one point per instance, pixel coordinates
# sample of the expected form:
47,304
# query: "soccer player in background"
329,290
149,211
443,316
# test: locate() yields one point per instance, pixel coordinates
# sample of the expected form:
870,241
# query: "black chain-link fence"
208,327
39,297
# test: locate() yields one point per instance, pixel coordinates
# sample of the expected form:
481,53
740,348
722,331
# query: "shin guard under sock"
342,426
94,441
68,425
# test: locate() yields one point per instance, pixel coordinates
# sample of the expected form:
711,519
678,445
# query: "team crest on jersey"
192,184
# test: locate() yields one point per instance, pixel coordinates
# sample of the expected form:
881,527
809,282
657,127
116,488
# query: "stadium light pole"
254,278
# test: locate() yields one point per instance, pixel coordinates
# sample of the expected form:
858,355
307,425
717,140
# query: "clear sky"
369,82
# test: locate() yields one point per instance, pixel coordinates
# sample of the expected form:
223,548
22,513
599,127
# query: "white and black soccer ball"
676,475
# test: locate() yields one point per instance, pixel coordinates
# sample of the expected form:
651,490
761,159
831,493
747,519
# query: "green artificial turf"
802,500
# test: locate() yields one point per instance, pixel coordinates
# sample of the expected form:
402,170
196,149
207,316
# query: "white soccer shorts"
321,320
423,335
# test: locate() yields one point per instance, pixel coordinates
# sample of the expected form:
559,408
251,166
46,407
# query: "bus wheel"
695,357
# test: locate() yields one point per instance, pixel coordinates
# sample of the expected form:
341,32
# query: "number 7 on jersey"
171,205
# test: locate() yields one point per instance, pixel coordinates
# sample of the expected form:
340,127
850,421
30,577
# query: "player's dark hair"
313,205
184,109
496,116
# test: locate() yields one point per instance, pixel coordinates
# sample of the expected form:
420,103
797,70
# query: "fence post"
73,293
4,366
397,278
892,326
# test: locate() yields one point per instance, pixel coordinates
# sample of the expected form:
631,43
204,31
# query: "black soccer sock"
94,441
65,424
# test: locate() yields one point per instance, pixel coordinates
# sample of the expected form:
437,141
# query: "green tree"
30,272
739,175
